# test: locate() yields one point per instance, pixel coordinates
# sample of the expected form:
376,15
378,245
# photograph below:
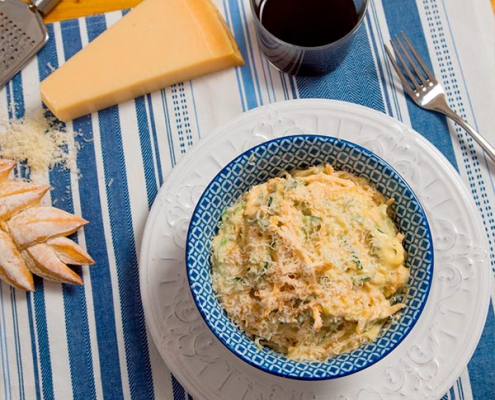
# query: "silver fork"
425,90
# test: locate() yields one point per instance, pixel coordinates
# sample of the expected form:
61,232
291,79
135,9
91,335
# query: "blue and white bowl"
265,161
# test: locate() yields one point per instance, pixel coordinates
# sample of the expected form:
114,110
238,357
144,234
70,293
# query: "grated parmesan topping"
39,144
309,264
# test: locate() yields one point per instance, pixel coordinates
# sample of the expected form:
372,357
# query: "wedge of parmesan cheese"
159,43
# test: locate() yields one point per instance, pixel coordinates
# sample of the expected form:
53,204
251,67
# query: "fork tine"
402,78
420,61
419,74
412,78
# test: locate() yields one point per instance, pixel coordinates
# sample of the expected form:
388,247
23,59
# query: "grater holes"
14,42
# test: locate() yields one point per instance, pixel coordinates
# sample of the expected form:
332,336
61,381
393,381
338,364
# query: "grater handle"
44,6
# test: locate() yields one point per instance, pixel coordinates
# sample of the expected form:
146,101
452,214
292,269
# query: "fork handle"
489,149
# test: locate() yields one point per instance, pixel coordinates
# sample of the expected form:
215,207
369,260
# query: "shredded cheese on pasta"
309,263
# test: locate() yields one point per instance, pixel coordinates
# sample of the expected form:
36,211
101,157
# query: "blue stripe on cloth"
181,113
461,390
403,16
134,328
237,69
293,85
18,347
11,101
355,80
77,325
4,352
481,371
30,309
146,149
43,339
170,139
15,97
195,110
185,114
8,96
178,120
284,85
135,338
177,389
16,102
246,71
101,281
376,40
155,140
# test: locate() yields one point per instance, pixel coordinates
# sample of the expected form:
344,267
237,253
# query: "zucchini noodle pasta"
309,263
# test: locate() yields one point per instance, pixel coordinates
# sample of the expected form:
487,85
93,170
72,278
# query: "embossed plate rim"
181,365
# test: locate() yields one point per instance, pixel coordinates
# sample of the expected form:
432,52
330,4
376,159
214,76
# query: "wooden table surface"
68,9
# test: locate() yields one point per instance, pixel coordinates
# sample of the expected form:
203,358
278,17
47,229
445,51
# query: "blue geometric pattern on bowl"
265,161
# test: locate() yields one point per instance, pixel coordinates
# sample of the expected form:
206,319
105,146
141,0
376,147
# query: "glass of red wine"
307,37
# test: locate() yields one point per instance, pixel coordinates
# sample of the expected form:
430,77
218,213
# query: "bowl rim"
326,376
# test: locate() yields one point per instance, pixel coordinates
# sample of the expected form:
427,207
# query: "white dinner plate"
424,366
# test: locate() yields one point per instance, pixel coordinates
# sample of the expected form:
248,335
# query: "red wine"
308,23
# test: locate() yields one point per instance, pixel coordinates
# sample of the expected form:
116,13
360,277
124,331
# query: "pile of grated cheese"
39,144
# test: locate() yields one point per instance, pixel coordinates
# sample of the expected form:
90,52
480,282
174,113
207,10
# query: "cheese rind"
159,43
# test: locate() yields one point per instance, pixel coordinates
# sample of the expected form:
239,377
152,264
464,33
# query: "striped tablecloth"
91,342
